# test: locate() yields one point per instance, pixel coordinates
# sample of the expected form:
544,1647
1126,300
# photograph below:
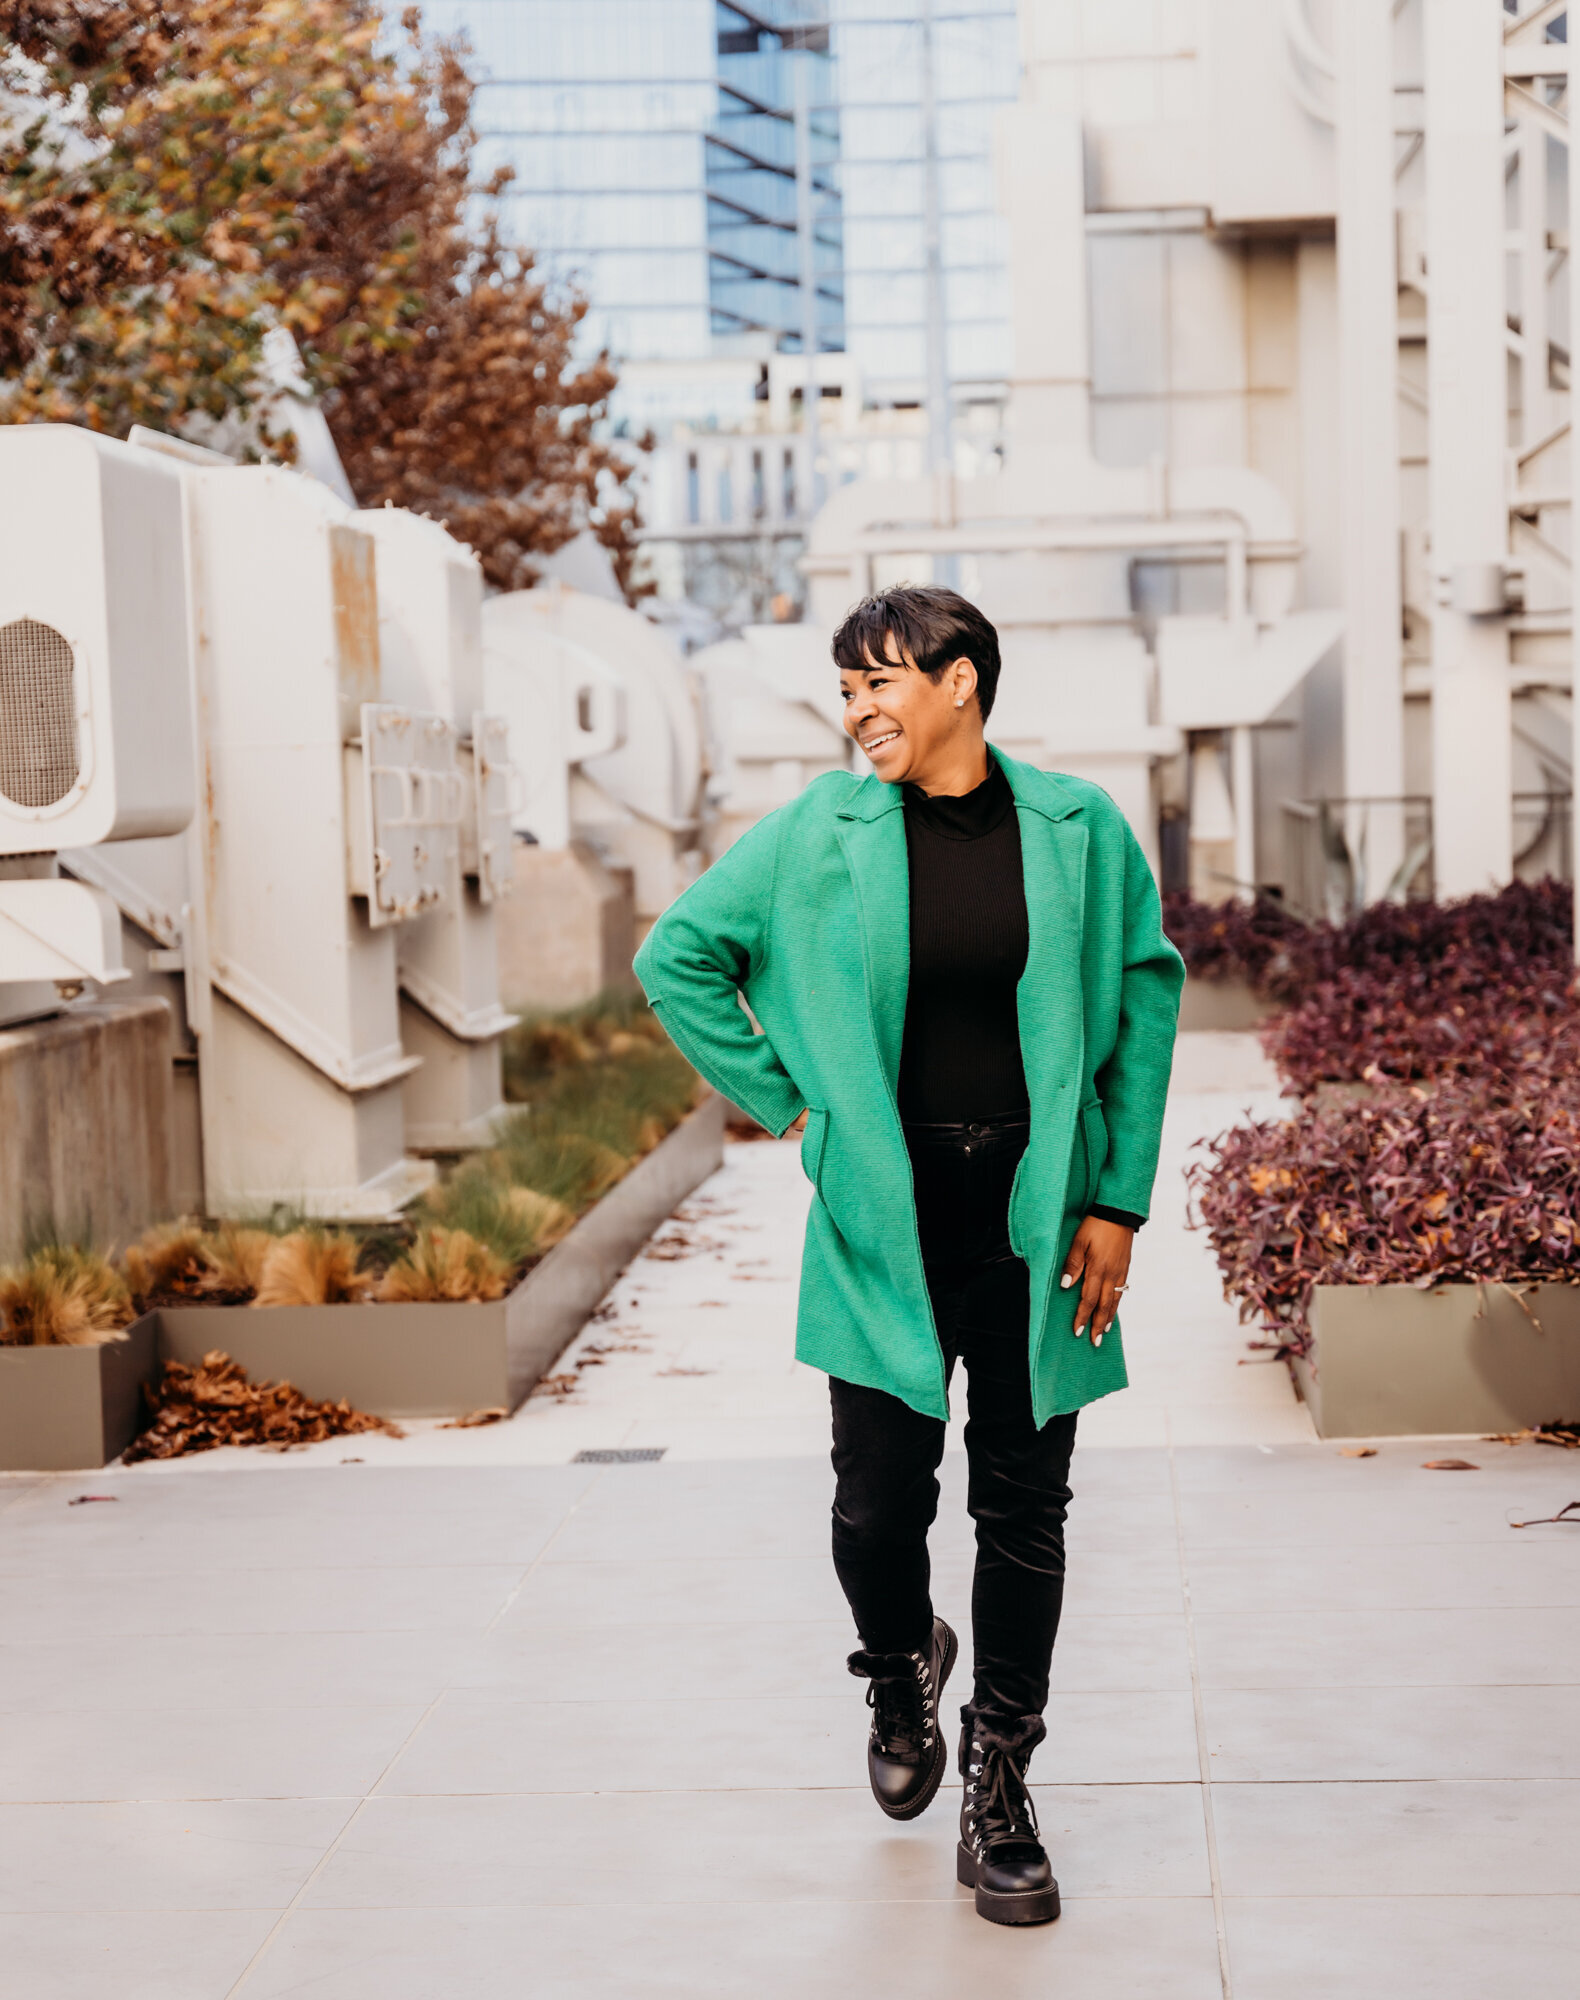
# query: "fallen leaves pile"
214,1404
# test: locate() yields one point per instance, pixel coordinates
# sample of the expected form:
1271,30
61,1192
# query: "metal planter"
63,1408
1391,1361
1220,1004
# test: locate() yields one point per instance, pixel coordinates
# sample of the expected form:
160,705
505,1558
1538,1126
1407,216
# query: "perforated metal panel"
39,761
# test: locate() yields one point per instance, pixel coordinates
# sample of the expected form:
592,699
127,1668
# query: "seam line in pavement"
404,1745
328,1854
542,1554
1203,1758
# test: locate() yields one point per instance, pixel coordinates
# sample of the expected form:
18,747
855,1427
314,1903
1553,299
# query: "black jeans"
886,1455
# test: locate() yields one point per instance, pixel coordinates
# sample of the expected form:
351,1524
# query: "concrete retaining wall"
85,1123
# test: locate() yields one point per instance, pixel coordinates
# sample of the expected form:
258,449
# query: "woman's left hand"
1099,1261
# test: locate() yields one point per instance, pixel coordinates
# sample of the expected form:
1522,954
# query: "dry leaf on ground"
202,1408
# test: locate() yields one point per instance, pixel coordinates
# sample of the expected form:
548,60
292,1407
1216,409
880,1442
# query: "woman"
964,990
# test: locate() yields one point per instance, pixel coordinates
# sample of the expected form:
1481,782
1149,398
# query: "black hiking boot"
1001,1855
906,1757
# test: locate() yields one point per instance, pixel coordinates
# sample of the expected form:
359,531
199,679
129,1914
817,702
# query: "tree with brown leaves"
177,177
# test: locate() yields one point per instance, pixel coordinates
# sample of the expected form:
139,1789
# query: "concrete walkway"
452,1716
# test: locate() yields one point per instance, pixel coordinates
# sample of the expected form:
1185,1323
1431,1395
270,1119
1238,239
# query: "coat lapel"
1054,840
1052,1039
872,837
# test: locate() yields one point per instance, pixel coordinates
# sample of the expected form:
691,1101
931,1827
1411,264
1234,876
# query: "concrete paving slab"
602,1850
1382,1947
1398,1648
1448,1838
132,1954
153,1673
571,1661
1301,1733
478,1740
336,1749
1518,1574
151,1854
97,1605
1460,1509
717,1591
411,1696
1159,1948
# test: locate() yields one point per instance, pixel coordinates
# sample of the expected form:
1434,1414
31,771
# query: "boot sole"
1031,1906
935,1777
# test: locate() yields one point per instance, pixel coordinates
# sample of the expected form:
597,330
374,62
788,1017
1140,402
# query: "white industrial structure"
430,598
320,910
95,706
611,740
1280,544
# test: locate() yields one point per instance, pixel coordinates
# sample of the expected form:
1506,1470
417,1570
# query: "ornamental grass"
63,1295
445,1264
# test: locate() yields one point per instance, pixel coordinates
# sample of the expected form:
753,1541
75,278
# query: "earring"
960,703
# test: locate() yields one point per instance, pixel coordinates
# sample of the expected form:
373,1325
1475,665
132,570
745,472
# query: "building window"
726,497
787,486
759,488
693,490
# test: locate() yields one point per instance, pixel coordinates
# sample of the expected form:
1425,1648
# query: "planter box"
65,1408
1222,1004
1391,1361
442,1360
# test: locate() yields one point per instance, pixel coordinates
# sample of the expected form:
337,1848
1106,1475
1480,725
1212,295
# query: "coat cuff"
1126,1218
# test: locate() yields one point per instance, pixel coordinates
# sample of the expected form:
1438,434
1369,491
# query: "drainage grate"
645,1455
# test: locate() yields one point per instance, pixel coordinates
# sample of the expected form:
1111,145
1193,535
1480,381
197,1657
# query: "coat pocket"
813,1140
1094,1137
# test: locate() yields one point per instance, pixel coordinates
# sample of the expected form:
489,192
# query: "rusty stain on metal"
354,585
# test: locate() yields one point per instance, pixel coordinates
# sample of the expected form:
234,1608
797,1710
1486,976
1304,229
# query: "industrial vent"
39,765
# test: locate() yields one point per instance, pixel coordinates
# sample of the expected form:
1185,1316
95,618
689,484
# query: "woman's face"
903,719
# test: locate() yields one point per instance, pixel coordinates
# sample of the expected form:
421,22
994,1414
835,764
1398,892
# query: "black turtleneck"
961,1056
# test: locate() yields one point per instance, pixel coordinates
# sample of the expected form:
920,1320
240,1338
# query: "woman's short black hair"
934,627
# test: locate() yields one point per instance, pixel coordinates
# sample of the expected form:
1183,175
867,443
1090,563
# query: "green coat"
808,917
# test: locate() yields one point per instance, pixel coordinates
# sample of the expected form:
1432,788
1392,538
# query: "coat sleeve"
1133,1084
694,963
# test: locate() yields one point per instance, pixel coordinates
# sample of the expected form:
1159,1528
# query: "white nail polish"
1097,1340
1066,1282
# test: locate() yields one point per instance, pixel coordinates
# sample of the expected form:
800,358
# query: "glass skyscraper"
878,46
653,143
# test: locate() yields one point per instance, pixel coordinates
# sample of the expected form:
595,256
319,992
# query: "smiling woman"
918,670
961,978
